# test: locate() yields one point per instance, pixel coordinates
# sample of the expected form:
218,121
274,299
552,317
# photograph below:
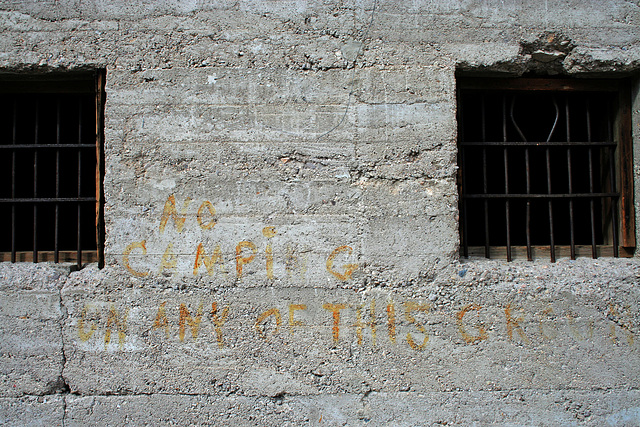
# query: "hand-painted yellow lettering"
161,319
360,325
219,321
186,319
262,317
391,322
348,268
212,212
240,260
546,333
482,332
292,309
335,310
574,330
170,211
295,265
169,259
210,262
409,307
125,257
616,320
84,335
513,323
121,327
269,232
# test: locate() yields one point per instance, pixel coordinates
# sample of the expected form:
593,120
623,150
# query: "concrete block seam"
364,394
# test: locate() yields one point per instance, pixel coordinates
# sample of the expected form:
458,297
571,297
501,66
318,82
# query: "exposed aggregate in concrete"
333,125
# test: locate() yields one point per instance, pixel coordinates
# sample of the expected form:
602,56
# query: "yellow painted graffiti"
176,321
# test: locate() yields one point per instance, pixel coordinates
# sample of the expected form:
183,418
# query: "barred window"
51,167
545,168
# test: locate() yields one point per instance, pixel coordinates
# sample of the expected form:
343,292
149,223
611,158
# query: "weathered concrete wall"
282,236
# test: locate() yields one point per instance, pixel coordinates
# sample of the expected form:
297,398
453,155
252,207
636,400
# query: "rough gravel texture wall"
282,224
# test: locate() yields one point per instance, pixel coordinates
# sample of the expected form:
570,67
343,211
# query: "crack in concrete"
63,386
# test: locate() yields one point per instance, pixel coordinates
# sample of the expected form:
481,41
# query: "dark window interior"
538,168
48,167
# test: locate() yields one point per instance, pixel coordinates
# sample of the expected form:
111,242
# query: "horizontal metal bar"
50,146
533,143
540,196
50,200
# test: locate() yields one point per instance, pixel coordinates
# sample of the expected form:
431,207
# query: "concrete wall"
282,236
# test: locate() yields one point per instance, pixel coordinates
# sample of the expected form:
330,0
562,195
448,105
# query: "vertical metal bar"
56,248
594,250
99,126
571,227
506,174
463,184
465,233
612,179
552,247
528,218
13,183
35,184
528,179
487,246
79,249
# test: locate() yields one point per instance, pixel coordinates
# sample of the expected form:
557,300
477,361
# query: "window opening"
51,167
545,168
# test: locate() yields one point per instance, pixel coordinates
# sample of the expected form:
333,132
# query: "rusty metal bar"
51,146
465,233
569,155
79,250
41,119
463,187
552,249
35,185
13,184
56,248
612,179
79,247
487,246
49,200
506,175
528,180
100,77
571,223
536,196
528,215
594,248
542,143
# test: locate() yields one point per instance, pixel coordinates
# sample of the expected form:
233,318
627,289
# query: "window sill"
88,256
543,252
